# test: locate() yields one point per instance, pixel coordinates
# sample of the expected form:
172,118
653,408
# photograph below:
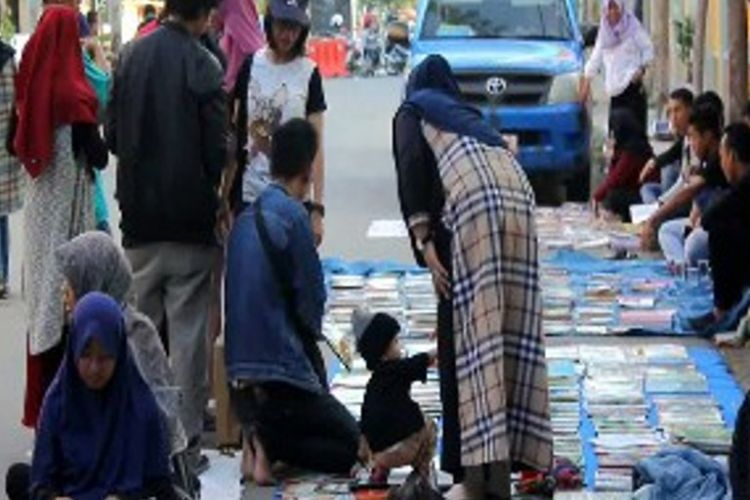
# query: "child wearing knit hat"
392,422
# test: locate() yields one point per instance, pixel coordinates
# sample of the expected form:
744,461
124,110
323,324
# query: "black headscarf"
433,92
629,134
6,53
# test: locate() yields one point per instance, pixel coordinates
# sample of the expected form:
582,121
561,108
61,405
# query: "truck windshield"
524,19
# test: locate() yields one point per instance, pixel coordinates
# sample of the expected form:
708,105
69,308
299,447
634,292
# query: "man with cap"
392,422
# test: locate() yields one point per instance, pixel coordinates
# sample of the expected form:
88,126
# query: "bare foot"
248,461
262,467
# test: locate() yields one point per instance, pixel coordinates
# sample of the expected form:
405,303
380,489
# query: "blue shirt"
261,342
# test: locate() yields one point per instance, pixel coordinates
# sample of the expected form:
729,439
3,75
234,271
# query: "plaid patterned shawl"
12,176
500,363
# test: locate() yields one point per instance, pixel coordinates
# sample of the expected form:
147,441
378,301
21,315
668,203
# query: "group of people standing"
112,333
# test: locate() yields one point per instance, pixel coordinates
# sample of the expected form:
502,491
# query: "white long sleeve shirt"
621,62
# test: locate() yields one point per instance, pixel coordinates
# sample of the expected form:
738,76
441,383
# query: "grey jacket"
167,124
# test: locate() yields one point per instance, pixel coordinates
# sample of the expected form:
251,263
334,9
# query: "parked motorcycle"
396,48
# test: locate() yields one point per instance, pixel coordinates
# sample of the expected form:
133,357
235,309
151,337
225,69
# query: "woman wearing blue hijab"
101,433
470,212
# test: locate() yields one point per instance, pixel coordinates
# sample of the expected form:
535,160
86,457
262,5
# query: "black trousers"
618,201
633,99
739,458
299,428
450,457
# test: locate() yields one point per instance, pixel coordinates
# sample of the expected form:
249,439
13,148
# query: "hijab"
612,36
91,443
628,134
92,262
242,35
51,87
433,93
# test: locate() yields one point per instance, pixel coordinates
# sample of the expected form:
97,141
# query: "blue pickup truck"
519,61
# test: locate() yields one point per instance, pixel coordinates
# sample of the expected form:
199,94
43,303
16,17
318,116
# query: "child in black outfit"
392,422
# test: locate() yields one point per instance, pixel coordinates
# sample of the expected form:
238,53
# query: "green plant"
685,29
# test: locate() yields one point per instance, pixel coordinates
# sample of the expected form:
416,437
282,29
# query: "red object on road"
330,56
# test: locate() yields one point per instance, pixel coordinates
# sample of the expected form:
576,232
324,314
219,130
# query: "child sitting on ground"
392,422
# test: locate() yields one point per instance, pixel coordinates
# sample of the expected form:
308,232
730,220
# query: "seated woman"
621,187
92,262
275,299
101,433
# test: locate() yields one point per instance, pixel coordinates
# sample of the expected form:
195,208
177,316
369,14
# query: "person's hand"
440,276
224,221
731,343
433,355
639,75
648,235
318,227
584,90
648,169
595,207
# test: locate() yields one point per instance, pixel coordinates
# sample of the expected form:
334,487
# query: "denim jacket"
261,342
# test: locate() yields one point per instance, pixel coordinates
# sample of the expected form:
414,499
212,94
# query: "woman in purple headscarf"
101,433
623,50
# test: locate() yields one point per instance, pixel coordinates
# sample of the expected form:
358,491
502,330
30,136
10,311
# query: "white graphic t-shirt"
277,93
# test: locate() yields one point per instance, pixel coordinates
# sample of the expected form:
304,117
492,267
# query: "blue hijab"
433,93
91,444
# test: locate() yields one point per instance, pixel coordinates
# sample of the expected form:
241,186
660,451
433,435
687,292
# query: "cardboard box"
228,430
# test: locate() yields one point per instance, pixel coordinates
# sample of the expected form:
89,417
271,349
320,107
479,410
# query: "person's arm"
645,48
414,368
45,462
412,170
726,256
110,128
238,121
157,483
680,199
307,274
670,156
593,67
213,120
315,107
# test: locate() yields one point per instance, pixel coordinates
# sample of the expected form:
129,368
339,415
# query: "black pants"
618,201
633,99
299,428
450,458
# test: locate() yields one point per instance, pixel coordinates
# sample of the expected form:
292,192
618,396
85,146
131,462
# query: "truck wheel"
578,186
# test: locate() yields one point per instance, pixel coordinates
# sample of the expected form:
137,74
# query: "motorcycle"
371,53
397,48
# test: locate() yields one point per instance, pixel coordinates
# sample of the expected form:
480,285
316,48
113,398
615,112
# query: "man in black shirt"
167,125
672,161
728,223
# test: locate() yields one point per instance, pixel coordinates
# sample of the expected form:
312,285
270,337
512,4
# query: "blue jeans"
651,191
679,248
4,250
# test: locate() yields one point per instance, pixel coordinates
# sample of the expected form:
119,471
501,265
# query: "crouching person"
392,422
275,297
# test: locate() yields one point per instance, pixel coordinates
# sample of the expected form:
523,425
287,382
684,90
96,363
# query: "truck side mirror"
589,32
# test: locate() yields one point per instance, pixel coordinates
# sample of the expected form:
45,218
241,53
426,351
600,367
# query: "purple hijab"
242,35
91,444
612,36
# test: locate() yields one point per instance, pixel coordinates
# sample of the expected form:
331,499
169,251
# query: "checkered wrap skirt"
500,365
